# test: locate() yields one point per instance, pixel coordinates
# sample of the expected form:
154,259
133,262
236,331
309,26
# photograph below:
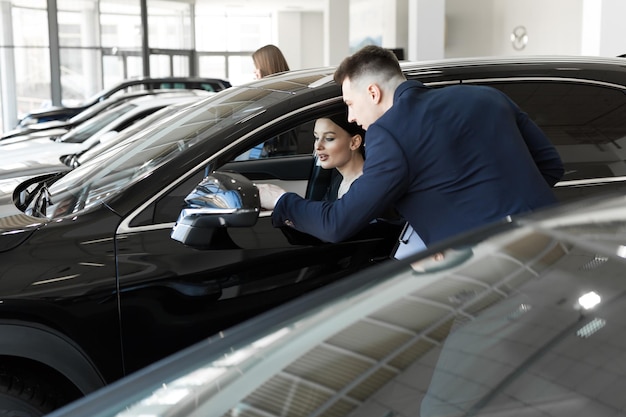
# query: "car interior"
287,160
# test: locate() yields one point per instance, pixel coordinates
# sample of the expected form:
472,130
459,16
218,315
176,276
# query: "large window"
225,40
80,57
121,33
169,23
101,42
26,48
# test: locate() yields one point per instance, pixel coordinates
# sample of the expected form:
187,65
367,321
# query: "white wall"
471,28
612,28
553,26
290,34
468,28
301,38
337,31
484,27
312,45
426,29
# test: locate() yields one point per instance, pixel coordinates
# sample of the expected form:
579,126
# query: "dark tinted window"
296,141
586,122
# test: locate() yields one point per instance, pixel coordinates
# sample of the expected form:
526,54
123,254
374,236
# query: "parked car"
133,84
26,154
14,176
88,267
56,128
10,179
520,318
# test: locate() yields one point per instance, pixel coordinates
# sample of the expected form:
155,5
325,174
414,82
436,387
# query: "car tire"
23,395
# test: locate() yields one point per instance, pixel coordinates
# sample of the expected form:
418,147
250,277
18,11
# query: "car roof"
125,97
131,108
150,83
146,83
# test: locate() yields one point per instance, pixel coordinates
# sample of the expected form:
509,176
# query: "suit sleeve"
543,152
384,179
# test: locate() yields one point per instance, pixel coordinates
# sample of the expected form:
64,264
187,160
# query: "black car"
88,267
520,318
133,84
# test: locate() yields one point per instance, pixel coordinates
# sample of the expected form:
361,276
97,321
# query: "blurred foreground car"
133,84
88,267
517,319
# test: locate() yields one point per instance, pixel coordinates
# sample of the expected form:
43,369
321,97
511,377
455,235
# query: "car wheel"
21,395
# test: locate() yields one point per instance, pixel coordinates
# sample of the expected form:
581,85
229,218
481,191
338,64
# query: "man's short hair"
370,59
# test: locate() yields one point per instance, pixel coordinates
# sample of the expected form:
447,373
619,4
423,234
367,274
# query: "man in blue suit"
448,159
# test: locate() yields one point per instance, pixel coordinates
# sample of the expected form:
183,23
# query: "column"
426,29
7,63
91,57
396,25
289,38
337,31
612,28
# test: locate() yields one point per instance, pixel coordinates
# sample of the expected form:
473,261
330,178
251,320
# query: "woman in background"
268,60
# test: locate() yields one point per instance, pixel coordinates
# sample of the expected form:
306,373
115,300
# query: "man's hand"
269,194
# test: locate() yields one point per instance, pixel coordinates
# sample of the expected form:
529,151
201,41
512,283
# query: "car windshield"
87,129
147,122
136,158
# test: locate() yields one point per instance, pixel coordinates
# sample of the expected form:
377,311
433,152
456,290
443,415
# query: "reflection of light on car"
441,261
183,387
621,251
590,328
520,311
239,356
54,280
589,300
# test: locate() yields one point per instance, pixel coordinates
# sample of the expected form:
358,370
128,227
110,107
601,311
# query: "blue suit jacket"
449,159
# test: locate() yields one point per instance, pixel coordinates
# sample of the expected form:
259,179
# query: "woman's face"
333,145
257,74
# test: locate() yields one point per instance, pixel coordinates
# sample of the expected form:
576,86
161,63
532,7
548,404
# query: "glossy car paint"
493,322
105,288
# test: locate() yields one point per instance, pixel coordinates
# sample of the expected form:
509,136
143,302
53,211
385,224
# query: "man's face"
362,107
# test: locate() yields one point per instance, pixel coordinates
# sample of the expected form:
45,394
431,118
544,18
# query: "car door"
198,292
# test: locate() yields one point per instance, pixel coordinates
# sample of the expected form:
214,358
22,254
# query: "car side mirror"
222,199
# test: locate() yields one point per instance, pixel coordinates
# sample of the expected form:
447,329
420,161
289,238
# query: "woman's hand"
269,195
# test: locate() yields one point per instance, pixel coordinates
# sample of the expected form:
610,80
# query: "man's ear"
375,93
355,141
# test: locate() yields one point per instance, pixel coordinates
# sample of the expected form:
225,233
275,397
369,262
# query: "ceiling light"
589,300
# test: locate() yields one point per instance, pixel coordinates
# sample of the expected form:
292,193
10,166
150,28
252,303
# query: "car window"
296,141
87,129
585,122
